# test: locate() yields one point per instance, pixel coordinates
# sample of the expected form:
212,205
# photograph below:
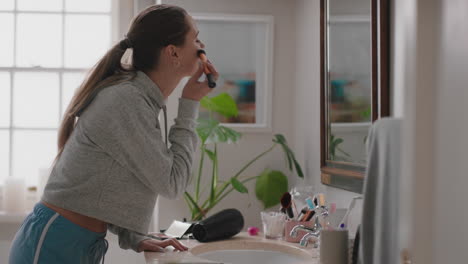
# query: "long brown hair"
154,28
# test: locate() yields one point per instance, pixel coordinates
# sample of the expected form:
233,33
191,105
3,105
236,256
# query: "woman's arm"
124,124
139,242
127,239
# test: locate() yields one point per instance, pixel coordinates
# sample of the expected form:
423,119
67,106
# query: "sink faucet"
311,232
305,239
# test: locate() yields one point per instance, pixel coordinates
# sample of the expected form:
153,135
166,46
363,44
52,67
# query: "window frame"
121,13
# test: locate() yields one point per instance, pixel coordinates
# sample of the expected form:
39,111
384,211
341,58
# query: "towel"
379,227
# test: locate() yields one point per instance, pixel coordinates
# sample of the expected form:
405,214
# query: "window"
47,46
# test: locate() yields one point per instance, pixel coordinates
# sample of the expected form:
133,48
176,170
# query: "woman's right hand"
196,90
158,245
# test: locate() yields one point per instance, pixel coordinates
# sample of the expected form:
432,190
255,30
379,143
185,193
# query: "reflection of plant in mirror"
363,109
333,148
270,185
366,113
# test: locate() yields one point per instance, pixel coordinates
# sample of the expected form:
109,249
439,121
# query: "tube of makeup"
202,55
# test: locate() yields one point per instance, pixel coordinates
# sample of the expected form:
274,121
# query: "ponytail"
146,37
108,71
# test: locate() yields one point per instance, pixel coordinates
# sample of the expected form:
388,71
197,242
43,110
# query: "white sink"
251,256
251,252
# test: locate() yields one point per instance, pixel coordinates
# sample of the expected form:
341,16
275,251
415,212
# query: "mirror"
354,85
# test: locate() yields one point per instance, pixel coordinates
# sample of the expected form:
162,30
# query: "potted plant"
270,185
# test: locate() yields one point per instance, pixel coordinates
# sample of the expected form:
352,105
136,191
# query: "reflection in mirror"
349,79
354,85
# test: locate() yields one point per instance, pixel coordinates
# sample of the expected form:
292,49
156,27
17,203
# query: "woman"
112,160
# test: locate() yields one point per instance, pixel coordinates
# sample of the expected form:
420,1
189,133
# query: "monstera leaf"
222,104
210,131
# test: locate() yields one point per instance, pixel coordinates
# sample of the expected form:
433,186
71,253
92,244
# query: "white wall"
307,95
232,158
403,71
436,129
451,235
398,25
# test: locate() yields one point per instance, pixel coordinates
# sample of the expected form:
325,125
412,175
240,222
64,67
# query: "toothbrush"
342,225
310,203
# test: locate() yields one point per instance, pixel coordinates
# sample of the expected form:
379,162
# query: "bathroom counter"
171,256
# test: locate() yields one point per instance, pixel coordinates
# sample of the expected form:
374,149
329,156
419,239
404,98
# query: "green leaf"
210,131
196,208
232,136
333,147
269,187
280,139
223,104
211,154
298,169
366,113
239,186
218,135
205,128
343,152
214,177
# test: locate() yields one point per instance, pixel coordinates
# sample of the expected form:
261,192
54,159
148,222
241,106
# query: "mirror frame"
344,175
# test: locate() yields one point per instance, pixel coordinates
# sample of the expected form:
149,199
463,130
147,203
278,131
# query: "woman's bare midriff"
84,221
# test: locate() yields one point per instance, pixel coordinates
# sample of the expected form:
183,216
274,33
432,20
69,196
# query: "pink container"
290,224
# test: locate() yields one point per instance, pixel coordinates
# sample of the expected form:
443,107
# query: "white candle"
14,195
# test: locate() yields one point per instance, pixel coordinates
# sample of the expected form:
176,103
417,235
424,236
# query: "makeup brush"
302,213
308,216
286,203
209,76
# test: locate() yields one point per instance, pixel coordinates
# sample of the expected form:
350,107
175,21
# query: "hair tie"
125,43
127,58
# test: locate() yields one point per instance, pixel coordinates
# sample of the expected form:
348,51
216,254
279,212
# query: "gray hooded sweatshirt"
116,163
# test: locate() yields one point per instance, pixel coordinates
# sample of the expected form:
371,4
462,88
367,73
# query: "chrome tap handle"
305,239
294,230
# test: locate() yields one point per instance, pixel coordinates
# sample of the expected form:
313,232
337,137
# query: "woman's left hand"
158,245
196,90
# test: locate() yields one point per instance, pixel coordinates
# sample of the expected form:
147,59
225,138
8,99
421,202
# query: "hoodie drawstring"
165,123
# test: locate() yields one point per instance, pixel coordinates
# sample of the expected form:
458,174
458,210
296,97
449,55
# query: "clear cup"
273,224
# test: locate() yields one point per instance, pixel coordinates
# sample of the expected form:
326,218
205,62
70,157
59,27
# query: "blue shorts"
47,237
